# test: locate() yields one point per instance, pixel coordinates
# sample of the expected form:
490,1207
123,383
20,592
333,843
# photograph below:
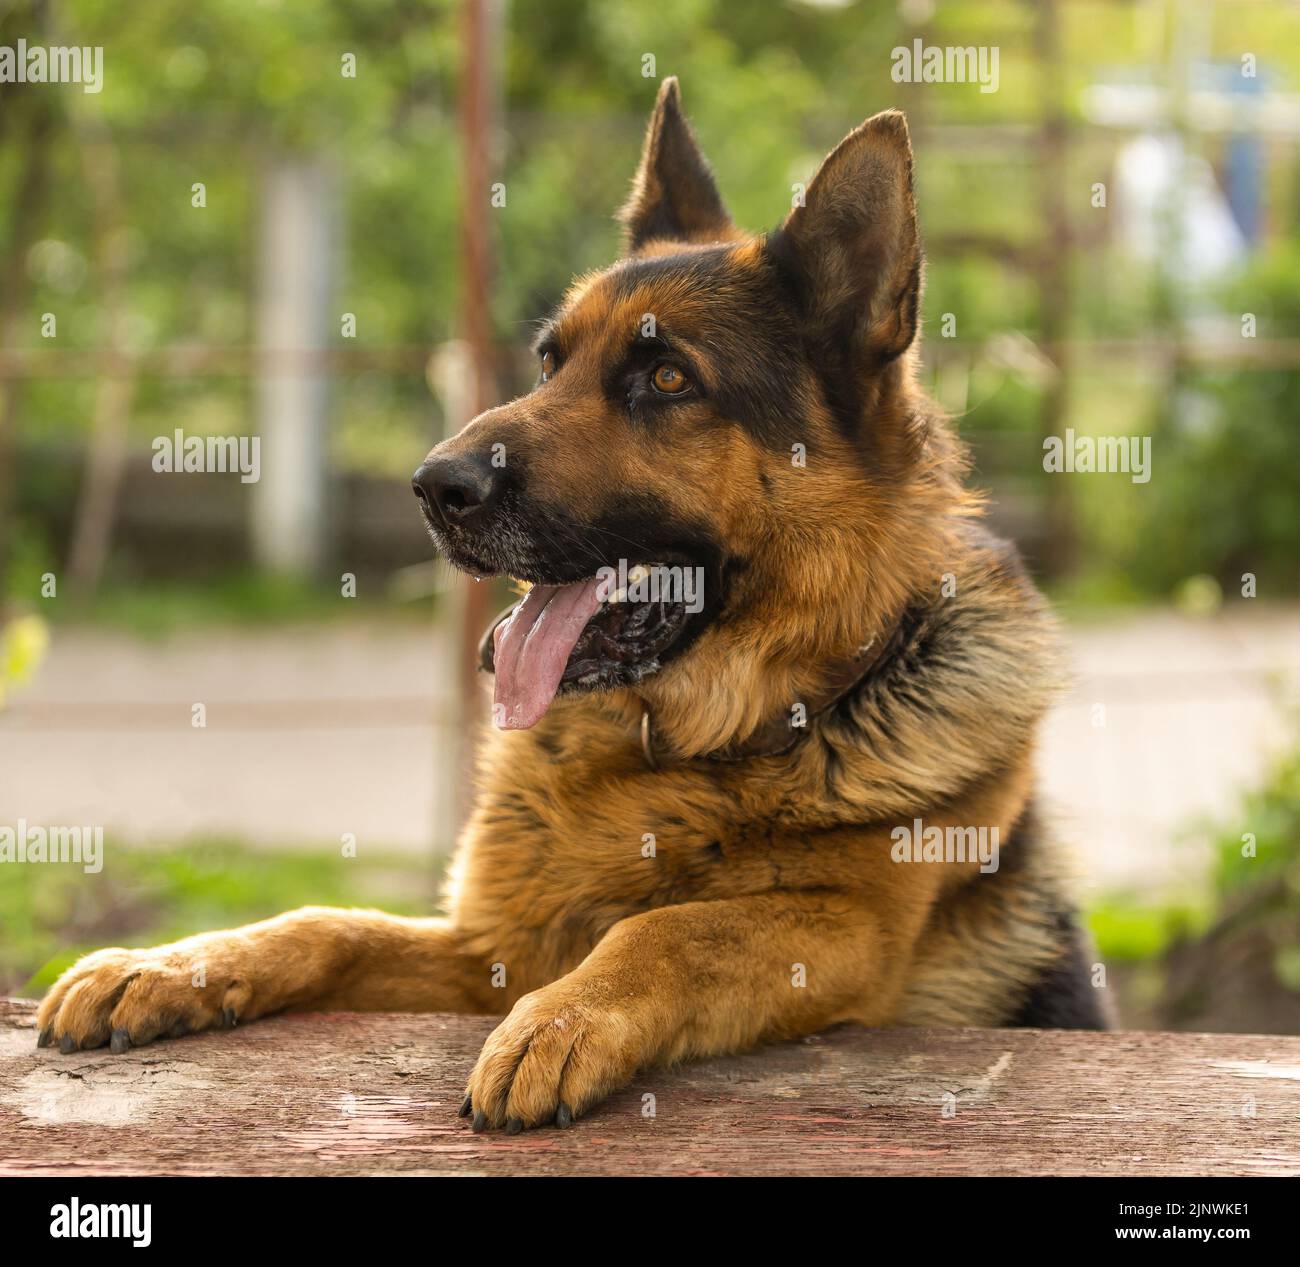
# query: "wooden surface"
377,1094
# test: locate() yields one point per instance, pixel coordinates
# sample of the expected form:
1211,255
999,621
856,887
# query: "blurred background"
330,224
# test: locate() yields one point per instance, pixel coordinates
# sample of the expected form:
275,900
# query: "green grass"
1129,932
53,913
238,599
1095,595
230,597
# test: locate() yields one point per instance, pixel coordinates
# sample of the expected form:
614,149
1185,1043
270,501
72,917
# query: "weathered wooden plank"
377,1094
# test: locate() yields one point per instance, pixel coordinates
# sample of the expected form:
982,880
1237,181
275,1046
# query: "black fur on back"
1064,996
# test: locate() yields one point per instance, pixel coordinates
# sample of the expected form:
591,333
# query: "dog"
765,716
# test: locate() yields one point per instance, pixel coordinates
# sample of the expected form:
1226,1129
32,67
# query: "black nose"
457,491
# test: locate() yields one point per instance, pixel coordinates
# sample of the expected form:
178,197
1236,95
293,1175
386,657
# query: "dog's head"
723,474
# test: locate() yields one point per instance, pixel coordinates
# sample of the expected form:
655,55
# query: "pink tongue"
531,649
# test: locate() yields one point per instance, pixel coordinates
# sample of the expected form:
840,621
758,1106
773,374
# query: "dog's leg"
311,958
825,934
703,978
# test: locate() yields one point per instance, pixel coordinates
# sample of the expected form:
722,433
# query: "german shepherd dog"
765,717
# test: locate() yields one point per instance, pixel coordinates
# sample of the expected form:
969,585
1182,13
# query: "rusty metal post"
1053,275
477,98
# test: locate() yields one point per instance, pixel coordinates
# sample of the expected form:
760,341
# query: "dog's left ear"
853,249
673,194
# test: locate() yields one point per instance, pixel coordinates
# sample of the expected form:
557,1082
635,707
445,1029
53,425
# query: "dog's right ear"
852,249
673,194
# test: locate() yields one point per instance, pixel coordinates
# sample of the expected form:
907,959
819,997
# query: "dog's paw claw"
125,999
467,1107
480,1122
555,1055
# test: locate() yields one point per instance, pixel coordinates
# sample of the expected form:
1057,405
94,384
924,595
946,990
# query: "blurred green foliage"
1256,848
146,897
243,597
1229,501
23,643
1228,956
1265,846
219,91
1243,971
1128,932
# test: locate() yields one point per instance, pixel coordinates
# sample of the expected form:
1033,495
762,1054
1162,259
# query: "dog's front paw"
127,998
559,1051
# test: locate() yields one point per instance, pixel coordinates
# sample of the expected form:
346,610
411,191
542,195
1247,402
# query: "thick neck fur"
839,567
976,667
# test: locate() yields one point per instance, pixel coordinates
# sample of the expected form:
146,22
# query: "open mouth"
582,636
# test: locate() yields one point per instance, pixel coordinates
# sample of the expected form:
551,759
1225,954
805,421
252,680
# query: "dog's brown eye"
670,380
548,366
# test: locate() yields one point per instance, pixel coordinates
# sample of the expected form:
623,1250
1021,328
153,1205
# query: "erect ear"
673,194
852,246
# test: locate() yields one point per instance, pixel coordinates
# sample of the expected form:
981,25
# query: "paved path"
309,734
1170,718
317,733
